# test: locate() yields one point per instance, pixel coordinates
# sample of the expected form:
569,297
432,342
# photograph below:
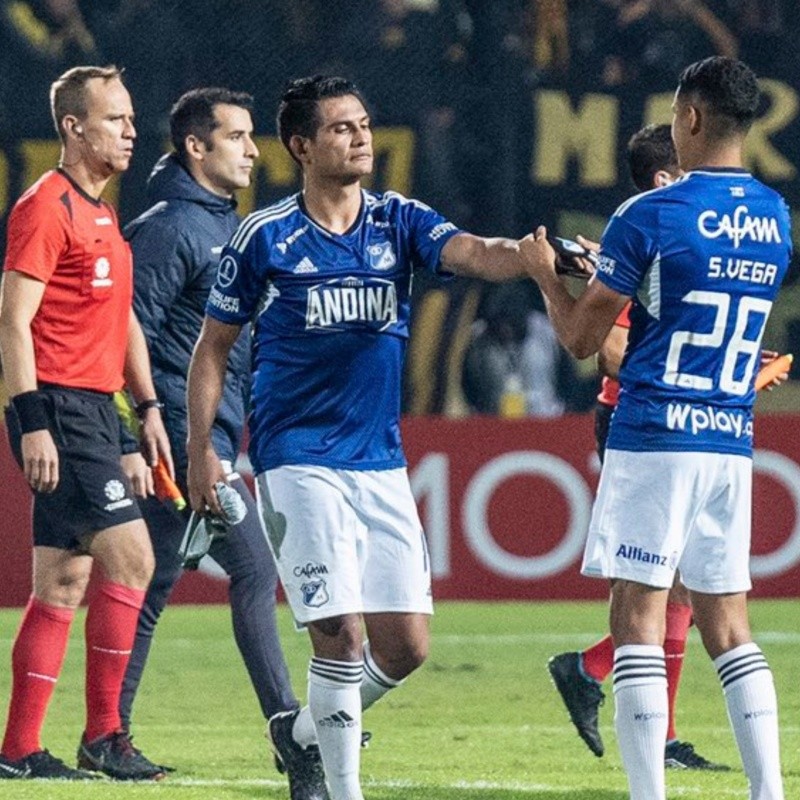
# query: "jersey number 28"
736,346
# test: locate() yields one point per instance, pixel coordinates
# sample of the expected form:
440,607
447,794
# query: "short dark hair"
650,150
730,90
193,114
68,91
298,110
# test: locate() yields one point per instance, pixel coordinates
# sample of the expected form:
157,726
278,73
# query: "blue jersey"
703,260
330,318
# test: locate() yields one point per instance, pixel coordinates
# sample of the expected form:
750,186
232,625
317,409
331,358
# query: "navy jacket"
176,245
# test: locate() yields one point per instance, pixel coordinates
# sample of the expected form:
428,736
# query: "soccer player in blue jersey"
324,276
702,260
652,163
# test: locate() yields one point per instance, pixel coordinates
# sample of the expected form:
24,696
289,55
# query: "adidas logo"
341,719
10,771
305,266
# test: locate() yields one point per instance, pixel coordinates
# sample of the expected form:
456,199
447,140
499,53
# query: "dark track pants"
246,558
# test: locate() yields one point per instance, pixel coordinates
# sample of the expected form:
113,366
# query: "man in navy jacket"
176,246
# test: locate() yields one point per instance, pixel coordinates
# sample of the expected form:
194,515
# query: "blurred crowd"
416,59
451,69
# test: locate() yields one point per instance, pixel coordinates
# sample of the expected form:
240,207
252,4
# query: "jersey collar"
95,201
301,203
719,171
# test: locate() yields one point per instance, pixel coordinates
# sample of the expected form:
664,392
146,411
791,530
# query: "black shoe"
302,765
118,758
42,765
681,755
366,738
581,695
163,767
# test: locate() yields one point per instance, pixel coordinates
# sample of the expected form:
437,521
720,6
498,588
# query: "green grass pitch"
479,721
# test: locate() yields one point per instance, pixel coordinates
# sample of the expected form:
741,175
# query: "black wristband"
146,405
31,411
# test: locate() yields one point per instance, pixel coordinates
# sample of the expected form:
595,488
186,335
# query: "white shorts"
345,541
656,512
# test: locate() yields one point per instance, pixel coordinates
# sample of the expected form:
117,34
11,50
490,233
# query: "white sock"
375,683
641,712
334,699
753,711
304,732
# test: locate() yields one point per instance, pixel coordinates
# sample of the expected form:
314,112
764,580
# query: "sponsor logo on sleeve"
223,301
227,271
606,264
440,230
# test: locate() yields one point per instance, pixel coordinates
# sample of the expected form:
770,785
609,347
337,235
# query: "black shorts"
602,419
93,493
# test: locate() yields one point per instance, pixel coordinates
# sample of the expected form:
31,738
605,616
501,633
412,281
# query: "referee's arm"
21,298
139,380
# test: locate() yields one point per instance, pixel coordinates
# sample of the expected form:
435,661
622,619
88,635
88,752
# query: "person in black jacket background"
176,246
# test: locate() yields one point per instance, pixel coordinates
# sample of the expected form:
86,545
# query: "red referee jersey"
71,242
609,388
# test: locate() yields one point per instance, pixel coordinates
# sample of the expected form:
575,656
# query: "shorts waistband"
86,394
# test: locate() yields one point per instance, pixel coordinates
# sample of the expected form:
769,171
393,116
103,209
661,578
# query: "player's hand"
139,474
40,460
154,440
539,256
588,243
205,469
767,357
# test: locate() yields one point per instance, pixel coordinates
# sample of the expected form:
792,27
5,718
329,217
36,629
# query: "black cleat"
682,755
41,765
163,767
581,695
118,758
366,738
303,766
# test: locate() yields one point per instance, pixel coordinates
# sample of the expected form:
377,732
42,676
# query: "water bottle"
234,509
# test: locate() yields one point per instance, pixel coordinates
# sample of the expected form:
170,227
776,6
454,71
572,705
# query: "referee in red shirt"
69,340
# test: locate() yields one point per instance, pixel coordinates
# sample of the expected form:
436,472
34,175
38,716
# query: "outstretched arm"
495,259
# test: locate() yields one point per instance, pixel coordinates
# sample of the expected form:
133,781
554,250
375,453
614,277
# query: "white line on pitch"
471,786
